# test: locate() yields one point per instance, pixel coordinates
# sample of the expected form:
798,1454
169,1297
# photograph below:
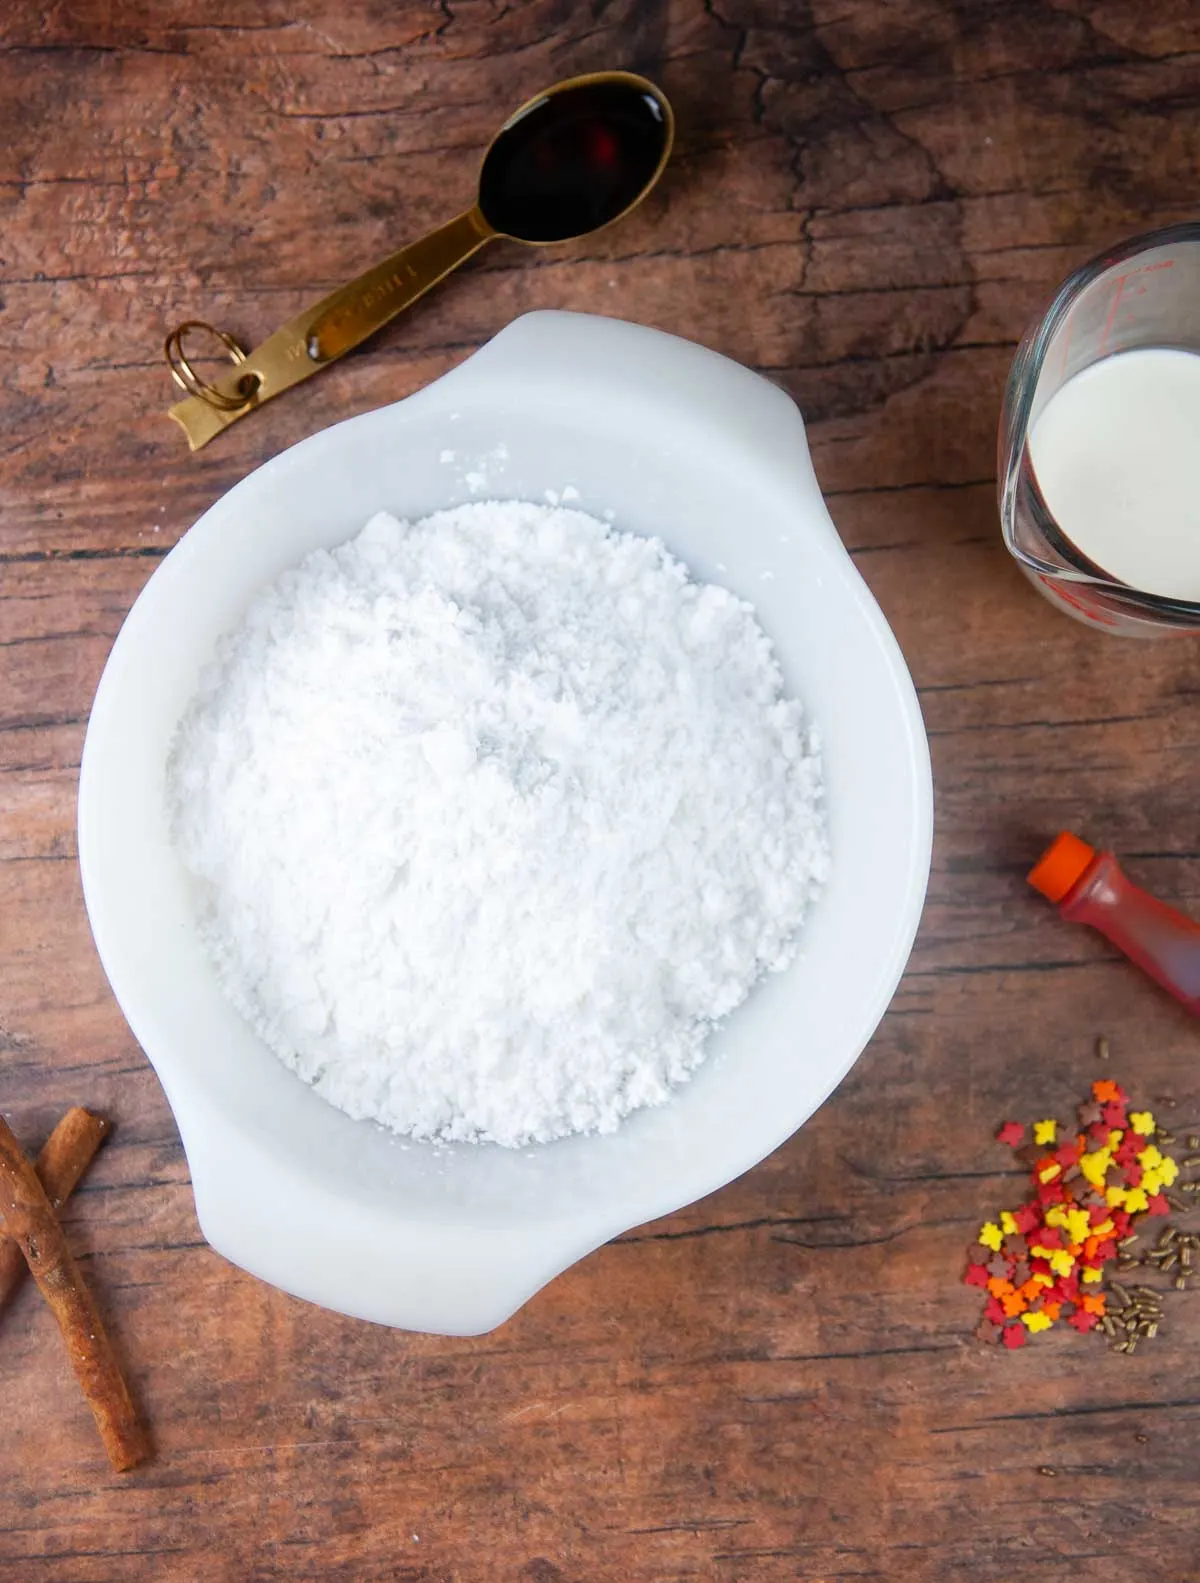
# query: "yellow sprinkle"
1045,1131
1114,1197
1114,1138
1037,1322
1057,1216
1042,1278
1136,1200
1168,1170
1049,1172
1095,1165
991,1236
1103,1229
1008,1224
1061,1262
1079,1224
1142,1122
1152,1180
1093,1275
1149,1157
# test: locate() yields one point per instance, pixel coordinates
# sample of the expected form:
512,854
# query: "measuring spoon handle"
366,304
331,327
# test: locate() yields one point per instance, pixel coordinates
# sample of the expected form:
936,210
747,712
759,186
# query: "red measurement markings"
1119,286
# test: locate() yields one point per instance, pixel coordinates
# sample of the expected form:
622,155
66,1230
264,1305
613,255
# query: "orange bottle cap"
1061,867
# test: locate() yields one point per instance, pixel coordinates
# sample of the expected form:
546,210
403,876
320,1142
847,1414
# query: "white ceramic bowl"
675,441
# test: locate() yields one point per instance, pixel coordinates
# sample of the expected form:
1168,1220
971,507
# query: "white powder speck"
475,481
569,493
494,816
445,456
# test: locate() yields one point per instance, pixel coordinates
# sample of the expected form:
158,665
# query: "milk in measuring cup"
1116,451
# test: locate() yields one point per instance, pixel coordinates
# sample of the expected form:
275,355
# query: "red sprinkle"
1012,1133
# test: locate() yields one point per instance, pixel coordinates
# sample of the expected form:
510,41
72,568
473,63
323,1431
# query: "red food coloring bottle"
1089,887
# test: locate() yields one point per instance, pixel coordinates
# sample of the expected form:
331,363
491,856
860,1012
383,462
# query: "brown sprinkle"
1102,1048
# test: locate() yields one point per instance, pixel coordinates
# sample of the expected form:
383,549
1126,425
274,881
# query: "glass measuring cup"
1142,293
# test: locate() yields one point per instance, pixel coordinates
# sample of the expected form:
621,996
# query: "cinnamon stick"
30,1219
66,1156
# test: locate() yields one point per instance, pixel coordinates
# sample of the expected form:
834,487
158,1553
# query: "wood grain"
868,203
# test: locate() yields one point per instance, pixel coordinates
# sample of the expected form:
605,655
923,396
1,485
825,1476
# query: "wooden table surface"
868,202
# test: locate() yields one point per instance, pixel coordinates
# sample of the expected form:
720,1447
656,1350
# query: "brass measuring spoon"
569,161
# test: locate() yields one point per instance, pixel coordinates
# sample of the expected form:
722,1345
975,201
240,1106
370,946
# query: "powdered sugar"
494,816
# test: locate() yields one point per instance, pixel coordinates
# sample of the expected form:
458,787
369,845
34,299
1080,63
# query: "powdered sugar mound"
496,814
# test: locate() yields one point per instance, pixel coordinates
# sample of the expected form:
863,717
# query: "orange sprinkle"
999,1287
1093,1305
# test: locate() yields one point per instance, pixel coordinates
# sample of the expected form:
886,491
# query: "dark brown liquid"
572,162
